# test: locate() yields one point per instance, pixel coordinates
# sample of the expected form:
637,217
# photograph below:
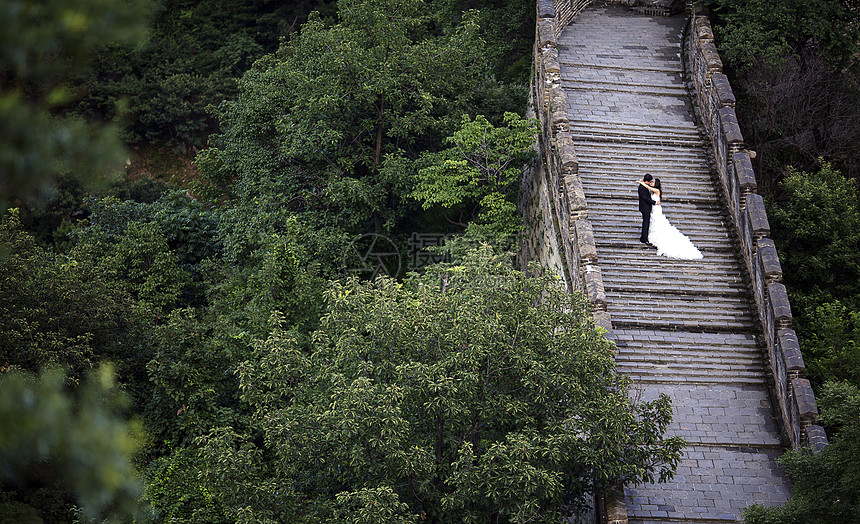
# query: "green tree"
471,393
43,45
817,231
506,27
755,31
826,485
478,175
832,348
176,494
339,113
793,67
58,310
79,441
196,51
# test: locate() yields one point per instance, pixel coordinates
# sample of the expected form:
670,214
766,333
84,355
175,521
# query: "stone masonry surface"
683,328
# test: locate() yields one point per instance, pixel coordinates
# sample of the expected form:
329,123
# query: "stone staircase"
683,328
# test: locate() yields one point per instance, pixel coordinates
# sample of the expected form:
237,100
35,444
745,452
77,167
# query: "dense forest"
191,331
191,328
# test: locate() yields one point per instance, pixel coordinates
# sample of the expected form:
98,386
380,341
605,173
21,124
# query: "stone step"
692,170
670,78
610,191
630,59
635,152
620,212
725,262
635,88
669,169
699,307
671,279
648,379
628,218
603,125
718,304
688,224
601,156
621,236
691,371
625,198
568,61
671,268
699,352
626,176
686,128
662,140
688,365
626,319
637,336
677,198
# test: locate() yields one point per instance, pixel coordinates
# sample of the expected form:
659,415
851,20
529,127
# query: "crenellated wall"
555,174
716,105
561,235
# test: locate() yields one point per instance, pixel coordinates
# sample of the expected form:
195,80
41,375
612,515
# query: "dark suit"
645,203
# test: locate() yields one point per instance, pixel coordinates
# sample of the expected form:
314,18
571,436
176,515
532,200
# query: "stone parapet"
560,236
716,108
558,172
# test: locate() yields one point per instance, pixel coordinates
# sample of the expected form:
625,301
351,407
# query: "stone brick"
584,234
805,400
757,216
769,259
779,304
816,438
730,128
546,9
725,96
791,352
744,172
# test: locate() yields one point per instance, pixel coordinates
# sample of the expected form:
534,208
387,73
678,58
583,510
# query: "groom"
645,203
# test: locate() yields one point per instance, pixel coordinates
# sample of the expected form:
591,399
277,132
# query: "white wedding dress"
669,241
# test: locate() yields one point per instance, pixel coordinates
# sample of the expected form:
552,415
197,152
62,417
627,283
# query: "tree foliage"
479,174
42,45
340,112
473,393
793,66
753,31
58,310
196,51
817,231
48,436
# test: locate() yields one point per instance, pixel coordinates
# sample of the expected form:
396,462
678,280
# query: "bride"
666,237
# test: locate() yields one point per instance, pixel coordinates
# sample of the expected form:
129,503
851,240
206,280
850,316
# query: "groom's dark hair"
647,177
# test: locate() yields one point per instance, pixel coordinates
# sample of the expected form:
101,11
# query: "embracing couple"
656,229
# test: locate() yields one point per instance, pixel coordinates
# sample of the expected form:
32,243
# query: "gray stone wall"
552,195
716,107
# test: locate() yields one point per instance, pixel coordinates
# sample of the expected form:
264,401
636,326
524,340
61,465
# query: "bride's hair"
658,186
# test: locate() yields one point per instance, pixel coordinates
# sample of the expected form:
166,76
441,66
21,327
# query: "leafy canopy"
772,31
478,175
337,115
48,435
471,393
817,230
41,45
